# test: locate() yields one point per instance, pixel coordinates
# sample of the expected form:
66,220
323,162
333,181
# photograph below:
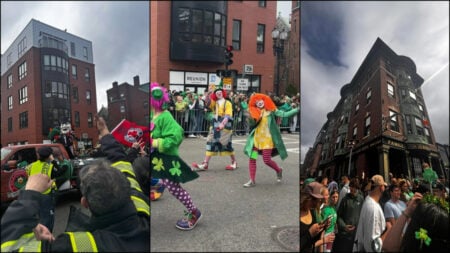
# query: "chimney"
136,81
115,84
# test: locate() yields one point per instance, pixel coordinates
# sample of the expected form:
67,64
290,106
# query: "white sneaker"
232,166
192,136
249,184
199,167
279,175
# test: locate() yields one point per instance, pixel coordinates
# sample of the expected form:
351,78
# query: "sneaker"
279,175
192,136
190,221
199,167
249,184
232,166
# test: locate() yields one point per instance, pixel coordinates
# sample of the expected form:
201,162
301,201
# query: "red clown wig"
213,95
254,111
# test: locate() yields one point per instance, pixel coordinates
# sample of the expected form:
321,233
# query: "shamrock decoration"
176,168
422,235
158,164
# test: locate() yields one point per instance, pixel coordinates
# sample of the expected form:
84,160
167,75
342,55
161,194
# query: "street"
235,219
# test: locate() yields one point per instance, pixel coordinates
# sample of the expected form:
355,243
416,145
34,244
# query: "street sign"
227,83
242,84
248,69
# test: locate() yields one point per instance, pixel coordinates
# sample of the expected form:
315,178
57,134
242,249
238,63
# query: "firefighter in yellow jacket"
47,165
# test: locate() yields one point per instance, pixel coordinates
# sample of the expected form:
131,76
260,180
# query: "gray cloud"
119,32
418,30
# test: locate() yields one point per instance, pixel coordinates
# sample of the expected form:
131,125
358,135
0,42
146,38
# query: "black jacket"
125,230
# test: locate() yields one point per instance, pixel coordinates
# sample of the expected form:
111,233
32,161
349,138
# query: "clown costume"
265,137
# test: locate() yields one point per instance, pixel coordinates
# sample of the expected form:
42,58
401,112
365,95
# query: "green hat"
308,181
219,86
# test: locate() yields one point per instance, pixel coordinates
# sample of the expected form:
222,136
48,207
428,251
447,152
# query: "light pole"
350,144
278,36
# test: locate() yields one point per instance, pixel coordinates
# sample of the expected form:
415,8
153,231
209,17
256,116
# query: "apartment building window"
56,114
74,71
9,59
367,126
393,121
390,88
85,53
356,107
427,134
9,81
23,95
419,126
408,124
208,27
10,124
122,108
77,119
88,97
337,144
89,120
21,47
75,94
72,49
260,34
368,96
23,120
236,38
420,107
22,70
56,90
197,26
55,63
87,77
355,133
10,103
412,95
262,3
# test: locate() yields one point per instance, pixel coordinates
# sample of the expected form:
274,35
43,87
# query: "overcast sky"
337,36
119,32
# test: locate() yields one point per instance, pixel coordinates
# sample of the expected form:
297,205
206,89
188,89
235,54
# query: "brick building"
380,124
47,76
188,40
130,102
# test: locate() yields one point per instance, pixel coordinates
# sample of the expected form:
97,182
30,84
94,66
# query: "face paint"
219,93
260,104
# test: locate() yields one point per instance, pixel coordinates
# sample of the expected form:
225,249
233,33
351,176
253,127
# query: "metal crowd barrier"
195,123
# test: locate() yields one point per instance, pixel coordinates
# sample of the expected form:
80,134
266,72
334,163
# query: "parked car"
14,160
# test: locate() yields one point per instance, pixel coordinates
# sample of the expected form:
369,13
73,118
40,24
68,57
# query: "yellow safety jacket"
43,168
80,242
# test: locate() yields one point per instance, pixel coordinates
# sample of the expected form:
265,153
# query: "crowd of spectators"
190,111
401,214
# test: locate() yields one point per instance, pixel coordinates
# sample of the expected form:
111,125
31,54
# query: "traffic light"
228,56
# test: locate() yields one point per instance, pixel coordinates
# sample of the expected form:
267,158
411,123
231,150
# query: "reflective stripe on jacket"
26,243
141,205
82,242
43,168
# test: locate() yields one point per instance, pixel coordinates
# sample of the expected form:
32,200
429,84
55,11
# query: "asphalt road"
235,219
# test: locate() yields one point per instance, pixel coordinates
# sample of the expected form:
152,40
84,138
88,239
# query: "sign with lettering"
248,69
227,83
196,78
242,84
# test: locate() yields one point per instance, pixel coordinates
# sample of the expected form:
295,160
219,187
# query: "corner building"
380,124
188,40
47,76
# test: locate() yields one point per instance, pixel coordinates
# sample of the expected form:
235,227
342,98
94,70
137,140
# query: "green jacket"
279,149
168,133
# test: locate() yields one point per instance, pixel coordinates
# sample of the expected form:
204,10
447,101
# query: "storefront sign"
196,78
